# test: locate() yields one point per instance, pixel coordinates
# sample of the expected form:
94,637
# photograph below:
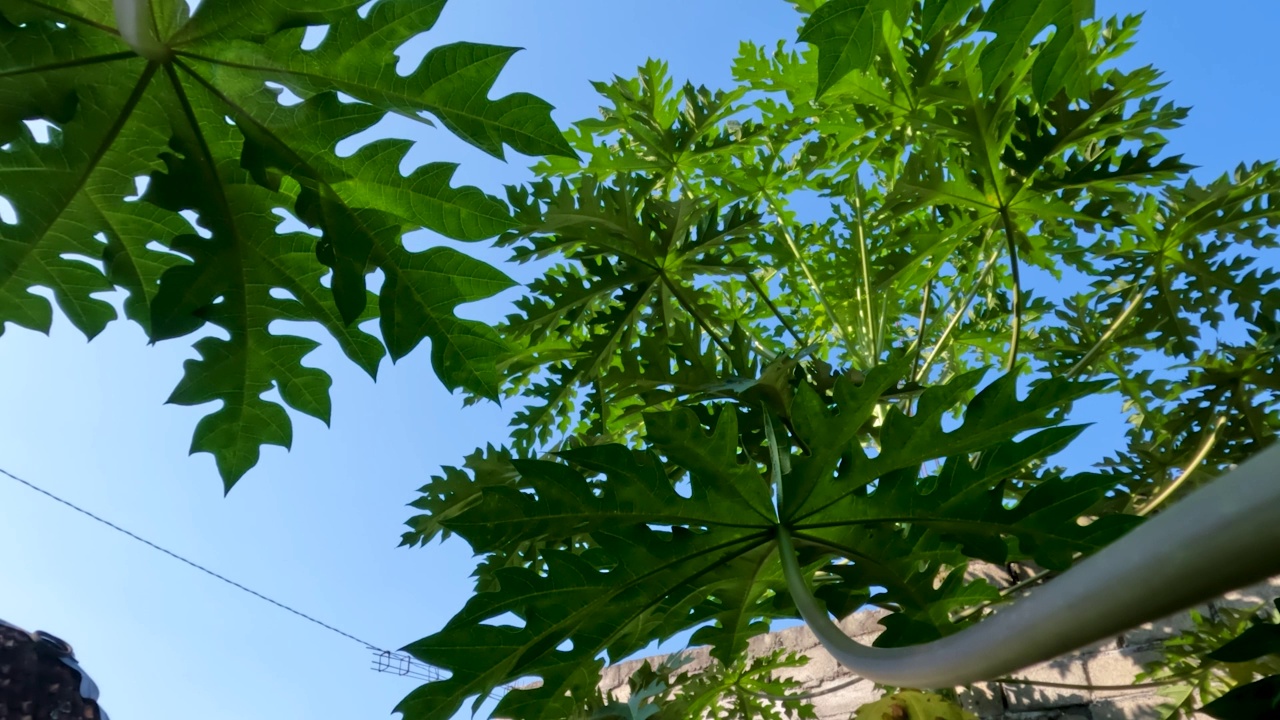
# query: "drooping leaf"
202,129
611,551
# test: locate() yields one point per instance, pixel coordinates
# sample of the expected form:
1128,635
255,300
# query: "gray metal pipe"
1221,537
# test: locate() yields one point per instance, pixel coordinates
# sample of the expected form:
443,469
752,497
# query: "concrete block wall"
1114,662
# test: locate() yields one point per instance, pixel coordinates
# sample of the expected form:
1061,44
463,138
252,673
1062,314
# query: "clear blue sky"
317,528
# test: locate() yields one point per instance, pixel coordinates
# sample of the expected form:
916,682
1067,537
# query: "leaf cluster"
817,265
607,547
207,185
680,687
1230,662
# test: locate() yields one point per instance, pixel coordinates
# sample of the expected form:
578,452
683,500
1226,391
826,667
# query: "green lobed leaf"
847,35
613,547
202,129
1016,23
1258,699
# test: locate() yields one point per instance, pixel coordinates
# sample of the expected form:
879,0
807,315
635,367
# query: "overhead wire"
408,665
191,563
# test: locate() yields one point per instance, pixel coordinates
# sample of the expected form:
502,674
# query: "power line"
385,661
195,565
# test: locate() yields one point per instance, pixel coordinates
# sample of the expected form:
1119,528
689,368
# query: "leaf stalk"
1015,332
1201,453
1220,528
137,25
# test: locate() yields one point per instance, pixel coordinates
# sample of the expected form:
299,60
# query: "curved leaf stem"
697,317
1135,300
1175,680
918,345
1004,593
1201,453
1015,331
960,312
1200,548
873,336
802,696
137,25
764,295
836,325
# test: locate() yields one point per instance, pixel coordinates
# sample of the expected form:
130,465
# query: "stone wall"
1113,662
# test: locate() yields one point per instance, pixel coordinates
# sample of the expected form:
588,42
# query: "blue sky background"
318,528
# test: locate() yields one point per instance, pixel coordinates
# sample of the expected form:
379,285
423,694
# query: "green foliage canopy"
807,278
776,305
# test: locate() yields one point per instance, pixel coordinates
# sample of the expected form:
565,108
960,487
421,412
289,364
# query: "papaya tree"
815,342
812,342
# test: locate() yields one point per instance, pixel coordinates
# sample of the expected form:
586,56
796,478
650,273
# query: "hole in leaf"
156,246
419,240
374,280
40,130
282,294
8,215
193,218
314,35
384,128
363,10
290,223
96,263
284,95
506,619
684,488
565,646
140,184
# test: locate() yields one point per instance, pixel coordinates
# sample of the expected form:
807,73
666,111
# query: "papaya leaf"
847,33
1258,699
174,174
607,547
1017,23
633,268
